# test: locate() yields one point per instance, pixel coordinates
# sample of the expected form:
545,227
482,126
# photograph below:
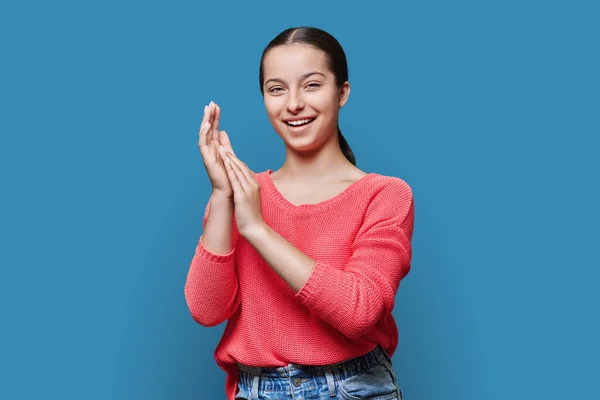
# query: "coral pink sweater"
361,242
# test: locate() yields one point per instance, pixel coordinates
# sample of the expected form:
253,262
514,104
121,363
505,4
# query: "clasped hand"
228,174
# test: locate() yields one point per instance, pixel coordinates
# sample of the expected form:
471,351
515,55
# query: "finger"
218,153
204,129
204,119
214,153
247,177
224,139
234,165
236,185
210,109
215,122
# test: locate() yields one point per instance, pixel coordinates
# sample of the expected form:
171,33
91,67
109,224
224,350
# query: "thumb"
225,142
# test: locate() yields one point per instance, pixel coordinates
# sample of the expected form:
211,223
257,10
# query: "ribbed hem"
212,257
311,287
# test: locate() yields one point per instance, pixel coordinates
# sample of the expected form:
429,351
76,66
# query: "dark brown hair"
336,58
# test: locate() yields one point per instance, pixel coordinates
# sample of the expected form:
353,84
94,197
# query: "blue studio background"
489,110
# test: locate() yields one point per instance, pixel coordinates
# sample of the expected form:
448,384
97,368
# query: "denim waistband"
355,365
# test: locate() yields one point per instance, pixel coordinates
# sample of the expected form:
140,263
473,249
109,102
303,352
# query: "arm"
217,236
211,288
352,299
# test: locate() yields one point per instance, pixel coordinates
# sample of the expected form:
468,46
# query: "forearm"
217,234
351,299
292,265
211,286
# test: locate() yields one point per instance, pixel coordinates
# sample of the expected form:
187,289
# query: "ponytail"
346,147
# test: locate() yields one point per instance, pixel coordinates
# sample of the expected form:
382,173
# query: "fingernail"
205,107
222,149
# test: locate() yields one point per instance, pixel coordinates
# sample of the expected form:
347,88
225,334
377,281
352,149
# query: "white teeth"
299,122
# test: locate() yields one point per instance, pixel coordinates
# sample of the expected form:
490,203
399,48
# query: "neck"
322,165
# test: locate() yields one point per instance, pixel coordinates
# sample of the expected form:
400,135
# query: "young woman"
304,262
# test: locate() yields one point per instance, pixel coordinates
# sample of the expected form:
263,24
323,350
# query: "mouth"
300,122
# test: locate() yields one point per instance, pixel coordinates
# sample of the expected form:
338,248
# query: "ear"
344,93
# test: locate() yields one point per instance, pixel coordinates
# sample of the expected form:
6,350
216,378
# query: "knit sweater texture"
361,243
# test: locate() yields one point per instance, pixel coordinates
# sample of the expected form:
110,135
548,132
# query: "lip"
298,118
298,130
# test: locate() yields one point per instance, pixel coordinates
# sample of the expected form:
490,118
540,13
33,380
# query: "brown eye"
275,89
313,85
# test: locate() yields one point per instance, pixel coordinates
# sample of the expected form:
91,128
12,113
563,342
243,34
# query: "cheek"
274,105
324,102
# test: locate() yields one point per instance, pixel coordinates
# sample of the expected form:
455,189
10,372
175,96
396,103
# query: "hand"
246,194
210,138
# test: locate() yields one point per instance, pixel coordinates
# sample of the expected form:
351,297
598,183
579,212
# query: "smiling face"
301,96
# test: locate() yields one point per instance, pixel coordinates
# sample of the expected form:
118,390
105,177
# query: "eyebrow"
303,77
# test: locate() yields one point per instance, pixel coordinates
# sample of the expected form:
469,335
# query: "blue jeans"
370,376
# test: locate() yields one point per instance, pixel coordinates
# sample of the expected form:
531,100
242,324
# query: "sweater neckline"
272,190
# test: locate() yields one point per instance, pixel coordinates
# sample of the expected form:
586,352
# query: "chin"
297,136
303,143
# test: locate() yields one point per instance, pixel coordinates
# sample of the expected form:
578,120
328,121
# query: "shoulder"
261,175
392,187
390,197
385,188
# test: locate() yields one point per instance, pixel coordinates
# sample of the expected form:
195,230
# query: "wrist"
256,232
221,197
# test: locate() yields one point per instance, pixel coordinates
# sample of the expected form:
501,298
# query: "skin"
314,162
315,155
217,232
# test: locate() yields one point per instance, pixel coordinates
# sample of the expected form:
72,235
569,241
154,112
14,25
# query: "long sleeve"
354,298
360,240
211,288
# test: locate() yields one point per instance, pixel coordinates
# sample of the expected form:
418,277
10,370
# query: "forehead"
291,62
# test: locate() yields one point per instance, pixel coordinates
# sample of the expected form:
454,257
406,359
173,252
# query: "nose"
295,103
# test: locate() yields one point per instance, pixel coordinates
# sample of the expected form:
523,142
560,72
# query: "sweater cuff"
312,286
212,257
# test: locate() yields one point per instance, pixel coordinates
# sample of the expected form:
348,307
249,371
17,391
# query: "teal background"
489,110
